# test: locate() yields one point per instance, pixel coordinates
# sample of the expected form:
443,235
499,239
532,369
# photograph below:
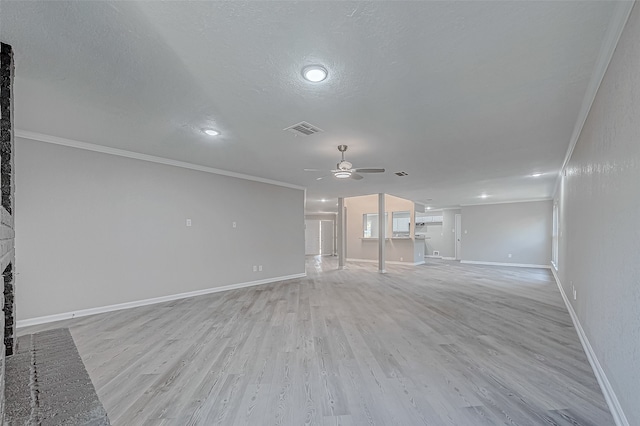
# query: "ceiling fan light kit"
344,169
342,174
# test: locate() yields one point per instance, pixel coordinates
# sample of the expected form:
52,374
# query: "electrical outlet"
255,268
509,255
233,224
188,222
402,259
260,268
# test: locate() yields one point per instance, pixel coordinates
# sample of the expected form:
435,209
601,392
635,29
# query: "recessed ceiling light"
483,195
428,208
211,132
536,175
323,200
314,73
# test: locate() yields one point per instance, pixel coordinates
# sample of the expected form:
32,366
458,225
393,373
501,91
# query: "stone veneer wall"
7,252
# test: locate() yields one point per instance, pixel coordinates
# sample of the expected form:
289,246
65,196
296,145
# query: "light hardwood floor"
437,344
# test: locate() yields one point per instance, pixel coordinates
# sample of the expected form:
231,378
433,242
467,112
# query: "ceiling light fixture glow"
314,73
211,132
323,200
342,174
483,195
536,175
428,208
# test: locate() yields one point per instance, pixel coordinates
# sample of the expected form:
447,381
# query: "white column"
341,234
382,228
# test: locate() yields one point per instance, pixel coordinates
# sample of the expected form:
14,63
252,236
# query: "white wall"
599,203
95,229
491,232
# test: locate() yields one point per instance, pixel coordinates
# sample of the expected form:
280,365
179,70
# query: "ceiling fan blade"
322,177
356,176
369,170
314,170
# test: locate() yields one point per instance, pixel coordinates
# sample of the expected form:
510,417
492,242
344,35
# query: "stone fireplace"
7,252
10,339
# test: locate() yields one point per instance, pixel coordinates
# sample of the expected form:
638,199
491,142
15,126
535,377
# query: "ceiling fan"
344,169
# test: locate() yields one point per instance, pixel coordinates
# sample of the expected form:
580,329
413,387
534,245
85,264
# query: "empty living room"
320,213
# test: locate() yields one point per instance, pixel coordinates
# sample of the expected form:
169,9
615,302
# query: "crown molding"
607,49
532,200
41,137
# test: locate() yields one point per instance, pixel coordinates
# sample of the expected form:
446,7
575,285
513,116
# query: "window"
370,221
401,224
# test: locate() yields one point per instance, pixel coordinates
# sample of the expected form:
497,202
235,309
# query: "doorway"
319,237
458,233
327,239
312,237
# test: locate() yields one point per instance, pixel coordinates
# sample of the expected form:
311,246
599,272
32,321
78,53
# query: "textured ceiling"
466,97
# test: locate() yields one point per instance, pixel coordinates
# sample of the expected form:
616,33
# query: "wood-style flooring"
436,344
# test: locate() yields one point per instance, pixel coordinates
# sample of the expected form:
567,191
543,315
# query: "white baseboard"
609,395
448,258
387,262
518,265
433,257
127,305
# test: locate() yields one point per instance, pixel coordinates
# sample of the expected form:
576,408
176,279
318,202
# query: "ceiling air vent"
402,173
303,128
